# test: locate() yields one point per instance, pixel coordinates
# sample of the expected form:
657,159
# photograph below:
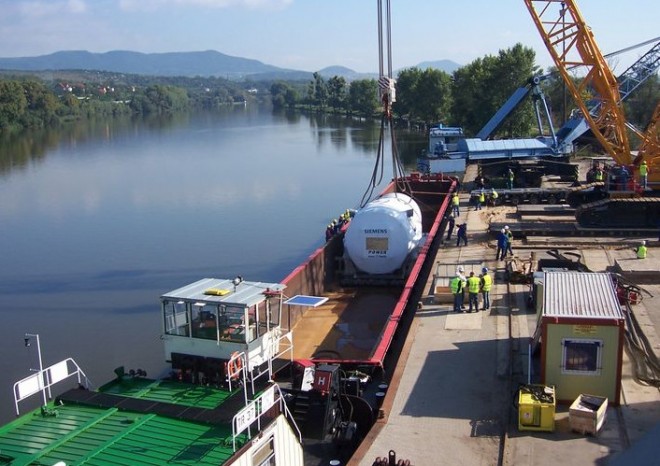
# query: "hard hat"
459,268
643,242
484,270
502,230
506,227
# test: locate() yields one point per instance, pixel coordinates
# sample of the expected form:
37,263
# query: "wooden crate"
442,295
587,414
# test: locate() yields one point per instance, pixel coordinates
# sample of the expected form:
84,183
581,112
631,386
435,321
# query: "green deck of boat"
78,434
169,392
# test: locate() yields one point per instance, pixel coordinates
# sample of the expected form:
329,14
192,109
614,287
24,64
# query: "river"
98,219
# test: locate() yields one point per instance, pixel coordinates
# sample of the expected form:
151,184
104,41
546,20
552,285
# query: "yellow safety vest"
641,252
494,195
455,200
488,282
482,198
473,284
643,169
455,285
599,175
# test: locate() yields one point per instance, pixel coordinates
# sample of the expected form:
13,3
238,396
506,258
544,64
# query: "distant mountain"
208,63
346,73
447,66
187,64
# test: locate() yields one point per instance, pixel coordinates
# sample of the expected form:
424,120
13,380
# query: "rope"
386,89
645,366
644,362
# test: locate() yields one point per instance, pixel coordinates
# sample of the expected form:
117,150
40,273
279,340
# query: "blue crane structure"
447,145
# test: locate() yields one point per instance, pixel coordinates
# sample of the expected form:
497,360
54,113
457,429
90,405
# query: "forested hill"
187,64
205,64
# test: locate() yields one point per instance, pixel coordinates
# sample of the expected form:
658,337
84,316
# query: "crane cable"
387,93
644,362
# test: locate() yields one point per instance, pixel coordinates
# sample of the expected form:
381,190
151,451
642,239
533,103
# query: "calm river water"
98,220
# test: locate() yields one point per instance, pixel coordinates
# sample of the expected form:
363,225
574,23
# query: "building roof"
580,294
478,149
243,294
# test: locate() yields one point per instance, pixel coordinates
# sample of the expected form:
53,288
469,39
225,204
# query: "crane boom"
571,43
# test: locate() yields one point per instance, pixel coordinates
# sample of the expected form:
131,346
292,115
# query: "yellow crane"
571,43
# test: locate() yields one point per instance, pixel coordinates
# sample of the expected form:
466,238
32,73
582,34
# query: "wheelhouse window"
176,318
232,324
581,357
220,322
204,317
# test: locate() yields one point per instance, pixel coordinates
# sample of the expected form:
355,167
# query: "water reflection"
98,219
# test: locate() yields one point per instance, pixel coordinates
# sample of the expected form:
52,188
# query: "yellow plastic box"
536,408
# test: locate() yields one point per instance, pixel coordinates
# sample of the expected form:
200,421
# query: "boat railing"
237,369
278,346
282,346
256,409
43,380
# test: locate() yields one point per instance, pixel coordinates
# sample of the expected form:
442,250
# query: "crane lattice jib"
566,35
638,72
650,148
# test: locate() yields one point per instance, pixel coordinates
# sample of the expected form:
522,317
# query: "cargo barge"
293,371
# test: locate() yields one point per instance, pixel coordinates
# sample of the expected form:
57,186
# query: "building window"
264,455
581,357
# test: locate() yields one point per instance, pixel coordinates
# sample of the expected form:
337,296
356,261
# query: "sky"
310,35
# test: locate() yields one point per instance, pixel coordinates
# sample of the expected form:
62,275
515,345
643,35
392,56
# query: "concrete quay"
451,399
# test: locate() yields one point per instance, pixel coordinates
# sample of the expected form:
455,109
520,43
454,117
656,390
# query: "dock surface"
451,397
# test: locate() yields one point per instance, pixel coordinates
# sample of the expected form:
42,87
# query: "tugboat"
217,406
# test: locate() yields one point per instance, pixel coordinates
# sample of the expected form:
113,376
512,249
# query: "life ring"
235,365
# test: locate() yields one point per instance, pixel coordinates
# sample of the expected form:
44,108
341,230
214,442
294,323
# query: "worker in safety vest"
486,285
509,242
473,283
510,176
599,176
493,198
482,200
643,174
641,250
456,286
455,204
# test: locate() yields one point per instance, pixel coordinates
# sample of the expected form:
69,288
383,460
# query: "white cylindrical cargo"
383,233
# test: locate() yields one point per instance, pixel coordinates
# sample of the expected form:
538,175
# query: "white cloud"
49,8
76,6
137,5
